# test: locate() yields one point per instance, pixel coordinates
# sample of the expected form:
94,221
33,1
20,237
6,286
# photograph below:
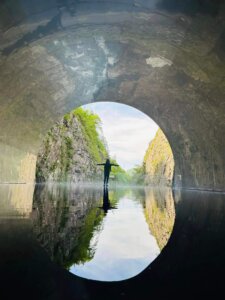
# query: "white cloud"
127,131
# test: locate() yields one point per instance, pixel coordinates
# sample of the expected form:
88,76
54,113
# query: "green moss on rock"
72,149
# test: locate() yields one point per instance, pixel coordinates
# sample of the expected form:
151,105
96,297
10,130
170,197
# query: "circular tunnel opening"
103,201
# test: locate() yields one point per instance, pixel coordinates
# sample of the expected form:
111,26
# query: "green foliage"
69,147
91,126
66,156
82,251
53,167
137,175
160,216
94,143
158,161
158,151
119,174
66,117
62,139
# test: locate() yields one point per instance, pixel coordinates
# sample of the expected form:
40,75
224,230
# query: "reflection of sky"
127,131
125,246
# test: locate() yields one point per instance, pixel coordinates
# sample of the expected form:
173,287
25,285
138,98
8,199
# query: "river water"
50,234
106,235
122,244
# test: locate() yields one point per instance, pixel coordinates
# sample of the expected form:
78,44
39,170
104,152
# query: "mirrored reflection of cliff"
63,222
90,232
160,213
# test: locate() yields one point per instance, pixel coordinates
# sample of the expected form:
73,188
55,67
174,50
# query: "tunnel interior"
169,64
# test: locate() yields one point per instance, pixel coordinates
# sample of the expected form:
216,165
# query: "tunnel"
167,64
162,57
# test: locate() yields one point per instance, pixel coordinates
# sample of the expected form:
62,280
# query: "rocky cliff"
71,150
159,162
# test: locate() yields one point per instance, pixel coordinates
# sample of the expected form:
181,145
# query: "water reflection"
160,214
102,235
106,205
193,259
16,200
63,222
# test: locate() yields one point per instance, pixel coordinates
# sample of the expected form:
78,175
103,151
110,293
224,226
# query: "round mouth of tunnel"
129,146
114,150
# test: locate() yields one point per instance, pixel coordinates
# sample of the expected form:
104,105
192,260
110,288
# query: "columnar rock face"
159,162
164,60
66,153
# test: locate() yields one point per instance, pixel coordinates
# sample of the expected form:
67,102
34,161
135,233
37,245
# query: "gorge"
76,231
75,145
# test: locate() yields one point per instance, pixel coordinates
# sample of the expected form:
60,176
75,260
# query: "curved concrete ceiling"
168,61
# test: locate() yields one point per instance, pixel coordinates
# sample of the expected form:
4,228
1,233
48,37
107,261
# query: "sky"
127,131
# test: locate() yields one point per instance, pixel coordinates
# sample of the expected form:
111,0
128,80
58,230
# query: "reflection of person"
107,169
106,202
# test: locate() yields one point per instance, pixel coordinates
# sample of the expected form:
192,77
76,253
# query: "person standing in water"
107,169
